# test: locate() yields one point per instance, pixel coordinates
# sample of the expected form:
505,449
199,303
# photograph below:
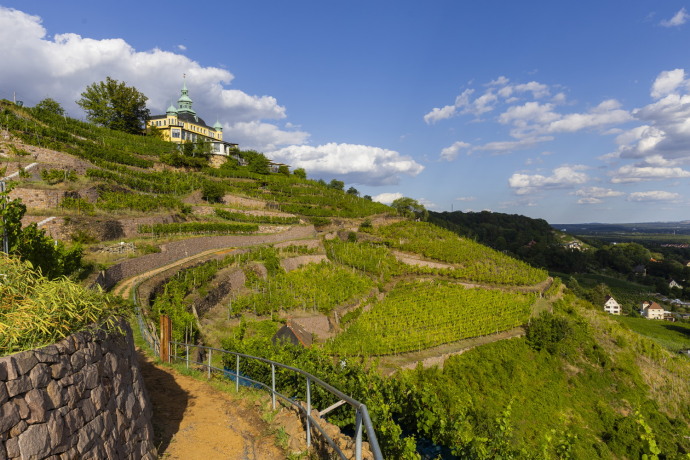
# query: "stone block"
78,360
3,393
18,386
22,407
91,376
55,393
12,447
35,441
25,361
40,375
9,416
8,369
59,434
48,354
39,405
88,409
86,438
61,368
18,429
98,398
74,420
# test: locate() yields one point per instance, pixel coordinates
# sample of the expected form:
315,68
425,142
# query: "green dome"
217,126
171,109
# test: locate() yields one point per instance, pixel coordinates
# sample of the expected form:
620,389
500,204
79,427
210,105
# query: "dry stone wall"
83,397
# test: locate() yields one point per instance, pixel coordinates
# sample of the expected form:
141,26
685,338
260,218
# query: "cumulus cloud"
63,66
678,19
561,177
360,164
387,198
595,195
654,195
449,153
263,136
667,82
638,173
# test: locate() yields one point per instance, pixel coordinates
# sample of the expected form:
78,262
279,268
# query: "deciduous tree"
115,105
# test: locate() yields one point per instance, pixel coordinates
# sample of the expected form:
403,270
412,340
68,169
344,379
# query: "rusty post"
166,333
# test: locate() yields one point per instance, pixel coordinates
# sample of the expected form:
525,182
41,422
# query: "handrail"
361,412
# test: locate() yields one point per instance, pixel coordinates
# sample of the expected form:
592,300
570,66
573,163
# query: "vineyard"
473,261
318,287
367,257
418,315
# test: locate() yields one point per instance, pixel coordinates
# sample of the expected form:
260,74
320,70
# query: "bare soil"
192,420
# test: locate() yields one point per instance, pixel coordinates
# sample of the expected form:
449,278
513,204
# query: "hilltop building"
652,310
611,306
182,124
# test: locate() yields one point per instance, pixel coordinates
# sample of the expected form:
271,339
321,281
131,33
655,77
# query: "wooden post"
166,333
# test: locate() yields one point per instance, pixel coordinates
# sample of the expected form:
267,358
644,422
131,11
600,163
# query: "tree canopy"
411,208
115,105
50,105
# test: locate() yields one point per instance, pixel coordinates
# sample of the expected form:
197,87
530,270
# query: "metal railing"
362,419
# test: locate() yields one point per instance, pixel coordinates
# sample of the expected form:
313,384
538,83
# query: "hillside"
366,286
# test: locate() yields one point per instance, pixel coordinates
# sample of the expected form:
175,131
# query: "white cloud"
654,195
262,136
561,177
594,195
678,19
360,164
667,82
439,114
387,198
427,203
62,67
466,198
181,47
508,146
449,153
635,173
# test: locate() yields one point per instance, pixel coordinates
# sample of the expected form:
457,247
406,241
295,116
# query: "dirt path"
192,420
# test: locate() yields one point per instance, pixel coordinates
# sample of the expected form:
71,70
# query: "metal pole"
273,385
358,435
209,363
186,346
237,374
308,412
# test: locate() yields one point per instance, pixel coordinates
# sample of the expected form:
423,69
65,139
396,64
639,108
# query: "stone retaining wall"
182,249
83,397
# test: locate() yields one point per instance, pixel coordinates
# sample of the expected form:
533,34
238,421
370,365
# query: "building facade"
611,306
182,124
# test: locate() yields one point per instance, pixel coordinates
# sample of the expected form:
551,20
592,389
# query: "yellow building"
182,124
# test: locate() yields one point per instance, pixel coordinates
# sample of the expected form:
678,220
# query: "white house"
673,284
611,306
652,310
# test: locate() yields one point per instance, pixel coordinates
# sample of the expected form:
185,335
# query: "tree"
352,191
284,170
51,106
300,172
410,208
336,184
115,105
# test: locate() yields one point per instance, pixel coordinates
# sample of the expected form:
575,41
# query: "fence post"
273,385
209,363
186,347
237,374
308,412
166,332
358,435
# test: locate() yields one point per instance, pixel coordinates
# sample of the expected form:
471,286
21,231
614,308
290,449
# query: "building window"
175,133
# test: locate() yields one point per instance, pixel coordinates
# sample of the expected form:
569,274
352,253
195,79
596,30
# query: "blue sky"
567,111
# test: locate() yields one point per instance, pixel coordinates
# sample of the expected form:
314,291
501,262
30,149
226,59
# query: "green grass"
672,336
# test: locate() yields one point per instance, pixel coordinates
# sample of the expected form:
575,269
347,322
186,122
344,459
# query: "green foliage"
212,191
336,184
198,228
547,331
672,336
77,204
419,315
410,208
300,172
471,260
55,176
368,257
114,201
115,105
178,160
297,289
35,311
51,106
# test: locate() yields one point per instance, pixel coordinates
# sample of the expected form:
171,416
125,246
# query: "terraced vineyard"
473,261
420,314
